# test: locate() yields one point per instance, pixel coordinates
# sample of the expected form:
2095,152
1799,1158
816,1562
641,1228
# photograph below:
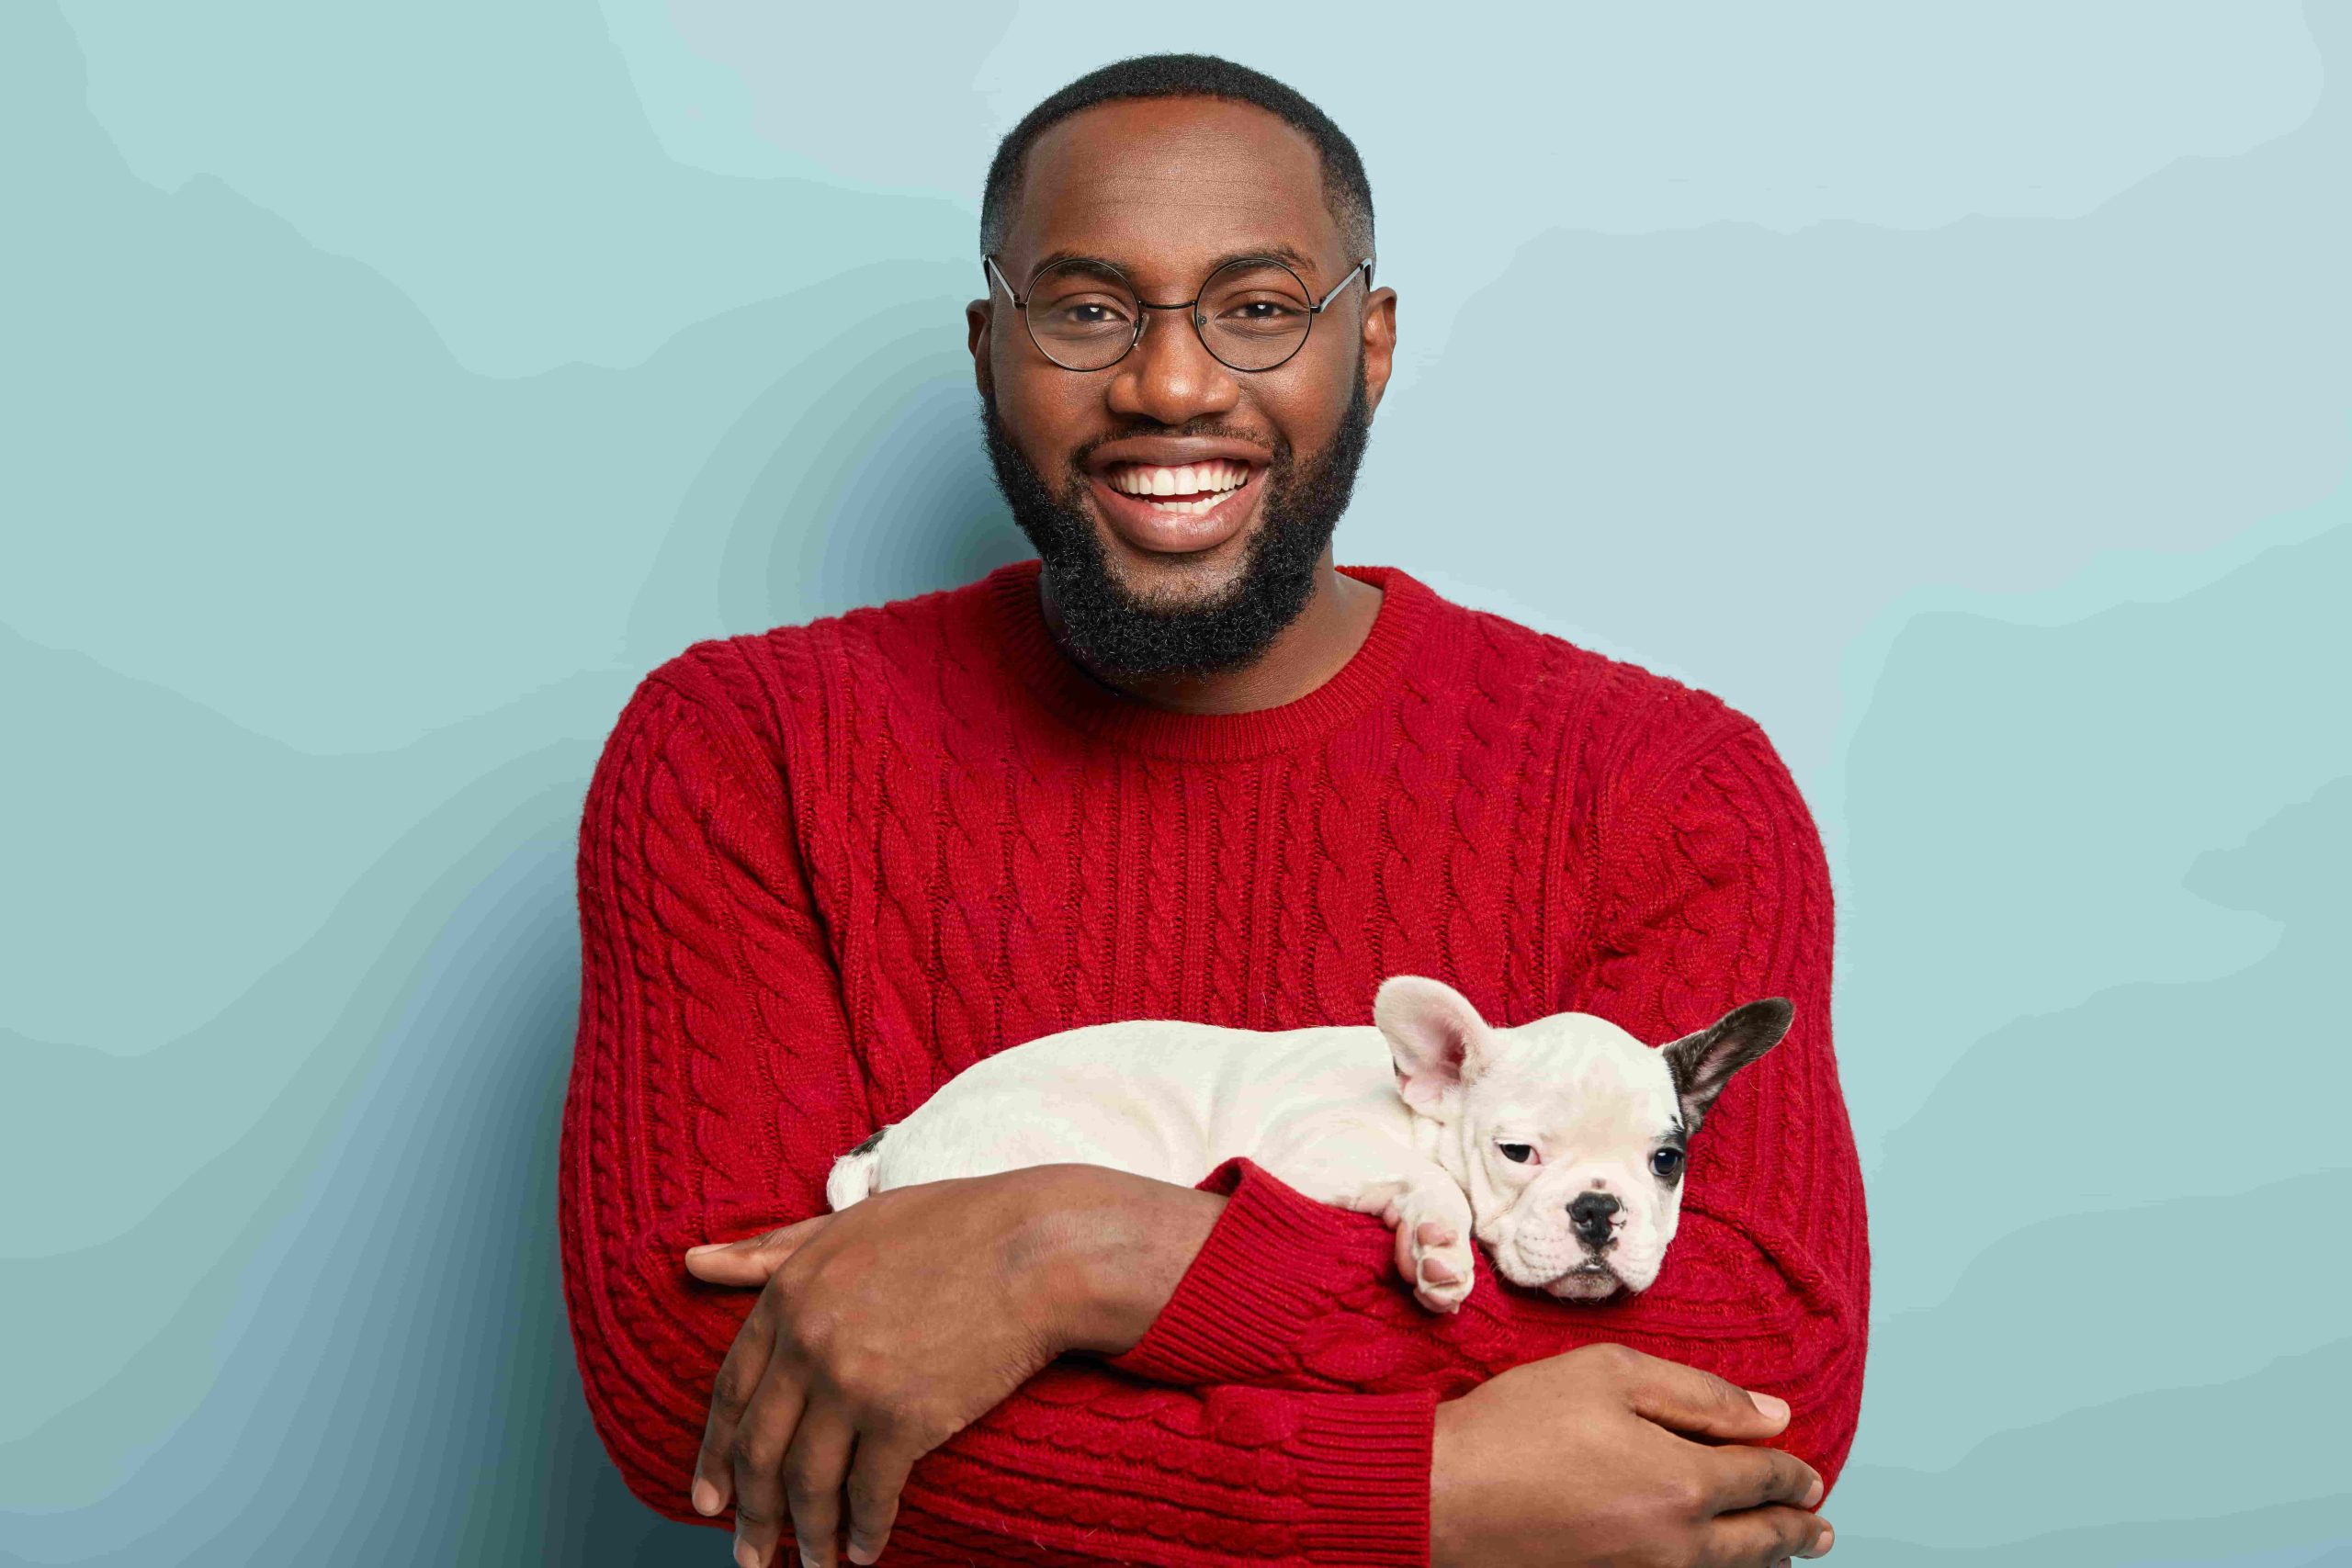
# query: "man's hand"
884,1329
1574,1461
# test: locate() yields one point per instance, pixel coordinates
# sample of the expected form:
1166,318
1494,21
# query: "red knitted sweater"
824,868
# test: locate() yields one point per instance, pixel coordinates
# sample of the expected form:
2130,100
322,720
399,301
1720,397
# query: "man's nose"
1591,1215
1170,377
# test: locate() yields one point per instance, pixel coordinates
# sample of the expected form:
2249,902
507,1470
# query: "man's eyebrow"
1295,259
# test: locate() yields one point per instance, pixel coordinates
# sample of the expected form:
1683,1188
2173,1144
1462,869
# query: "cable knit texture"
825,868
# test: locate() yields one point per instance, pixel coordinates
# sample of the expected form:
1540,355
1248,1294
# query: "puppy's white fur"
1427,1113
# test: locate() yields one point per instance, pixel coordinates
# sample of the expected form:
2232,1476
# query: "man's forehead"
1164,186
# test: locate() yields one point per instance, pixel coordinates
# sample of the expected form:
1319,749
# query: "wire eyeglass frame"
1200,324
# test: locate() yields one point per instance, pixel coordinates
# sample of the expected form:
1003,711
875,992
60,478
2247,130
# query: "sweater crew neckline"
1065,688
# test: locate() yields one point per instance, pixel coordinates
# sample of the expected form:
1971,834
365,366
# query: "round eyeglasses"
1253,314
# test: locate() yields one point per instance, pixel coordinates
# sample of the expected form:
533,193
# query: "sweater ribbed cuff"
1265,1272
1363,1465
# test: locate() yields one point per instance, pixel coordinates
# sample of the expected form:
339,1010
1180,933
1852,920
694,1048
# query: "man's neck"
1315,647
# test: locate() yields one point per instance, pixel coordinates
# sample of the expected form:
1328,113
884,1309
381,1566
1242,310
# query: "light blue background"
1962,391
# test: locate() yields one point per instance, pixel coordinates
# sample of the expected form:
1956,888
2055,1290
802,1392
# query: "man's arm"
1705,887
712,1084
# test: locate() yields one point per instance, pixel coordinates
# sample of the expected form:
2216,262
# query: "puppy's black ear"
1702,1063
1436,1037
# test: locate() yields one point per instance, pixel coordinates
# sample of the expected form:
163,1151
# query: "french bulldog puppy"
1559,1143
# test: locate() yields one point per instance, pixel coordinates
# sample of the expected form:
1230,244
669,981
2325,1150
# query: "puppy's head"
1568,1134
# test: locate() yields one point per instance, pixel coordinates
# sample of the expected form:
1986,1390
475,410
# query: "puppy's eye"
1518,1154
1665,1162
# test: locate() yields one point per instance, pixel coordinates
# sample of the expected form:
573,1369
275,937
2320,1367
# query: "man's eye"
1665,1162
1063,314
1518,1154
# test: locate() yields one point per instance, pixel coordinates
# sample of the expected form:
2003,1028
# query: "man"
1181,767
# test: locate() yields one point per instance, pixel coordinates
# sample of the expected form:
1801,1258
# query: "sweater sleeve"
714,1080
1707,887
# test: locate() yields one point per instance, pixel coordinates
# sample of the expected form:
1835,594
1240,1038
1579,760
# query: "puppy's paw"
1438,1259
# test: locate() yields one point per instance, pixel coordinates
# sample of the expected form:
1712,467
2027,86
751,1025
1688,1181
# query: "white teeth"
1193,479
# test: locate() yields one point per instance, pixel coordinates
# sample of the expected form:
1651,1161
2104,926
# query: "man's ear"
976,321
1437,1038
1379,344
1702,1063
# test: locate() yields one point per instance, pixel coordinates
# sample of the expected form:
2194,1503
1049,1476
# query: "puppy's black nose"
1590,1213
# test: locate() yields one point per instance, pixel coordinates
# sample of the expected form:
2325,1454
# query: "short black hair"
1345,189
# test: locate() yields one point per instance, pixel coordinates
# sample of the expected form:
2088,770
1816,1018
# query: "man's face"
1166,189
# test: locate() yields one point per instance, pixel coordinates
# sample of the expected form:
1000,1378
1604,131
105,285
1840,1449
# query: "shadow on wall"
243,446
290,1260
257,481
340,1332
858,479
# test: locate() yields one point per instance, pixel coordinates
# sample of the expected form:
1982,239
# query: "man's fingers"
738,1377
728,1266
751,1260
1688,1400
1763,1538
1751,1478
875,1479
814,1470
762,1440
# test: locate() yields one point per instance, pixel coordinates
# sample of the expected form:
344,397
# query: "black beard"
1117,635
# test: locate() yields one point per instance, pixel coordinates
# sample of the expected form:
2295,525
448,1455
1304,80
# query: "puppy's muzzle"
1591,1214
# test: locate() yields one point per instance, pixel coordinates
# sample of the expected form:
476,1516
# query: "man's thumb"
1688,1400
748,1261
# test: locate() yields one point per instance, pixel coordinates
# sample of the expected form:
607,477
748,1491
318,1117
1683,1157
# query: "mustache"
1277,447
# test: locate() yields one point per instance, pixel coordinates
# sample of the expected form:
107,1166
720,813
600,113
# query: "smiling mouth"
1181,492
1175,510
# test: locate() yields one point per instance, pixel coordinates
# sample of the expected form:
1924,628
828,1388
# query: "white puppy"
1559,1143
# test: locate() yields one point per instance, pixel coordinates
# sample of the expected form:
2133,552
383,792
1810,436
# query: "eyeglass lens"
1251,314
